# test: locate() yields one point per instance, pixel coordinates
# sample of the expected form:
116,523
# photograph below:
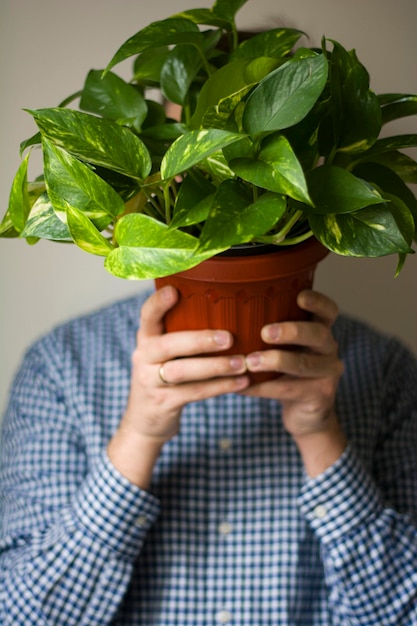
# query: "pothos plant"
275,143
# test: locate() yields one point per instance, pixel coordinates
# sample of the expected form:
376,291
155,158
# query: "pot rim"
285,261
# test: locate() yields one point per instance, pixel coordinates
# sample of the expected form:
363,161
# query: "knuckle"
291,332
327,388
165,342
176,371
136,358
148,310
304,363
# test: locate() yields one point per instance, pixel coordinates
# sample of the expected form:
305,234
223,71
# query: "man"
164,489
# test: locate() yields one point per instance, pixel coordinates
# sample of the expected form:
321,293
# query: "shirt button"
225,444
320,511
141,521
224,616
225,528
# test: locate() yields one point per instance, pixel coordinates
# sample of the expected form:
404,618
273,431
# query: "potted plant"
275,144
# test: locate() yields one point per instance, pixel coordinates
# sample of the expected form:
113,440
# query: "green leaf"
165,132
139,230
193,202
401,261
370,232
216,168
355,108
286,95
402,164
178,72
276,169
95,140
149,249
257,69
277,42
149,263
227,9
35,140
335,190
148,65
402,106
234,219
7,230
71,182
403,217
243,148
388,144
389,182
193,147
85,234
111,97
204,16
162,33
228,80
219,116
156,116
19,204
44,223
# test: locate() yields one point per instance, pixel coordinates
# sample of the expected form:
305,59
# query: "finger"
313,335
180,395
185,343
289,389
154,309
322,307
298,363
194,369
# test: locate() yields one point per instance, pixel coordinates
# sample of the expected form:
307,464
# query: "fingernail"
241,382
237,363
221,338
253,361
274,332
307,298
166,292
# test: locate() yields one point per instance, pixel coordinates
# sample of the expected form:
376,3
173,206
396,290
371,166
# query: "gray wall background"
47,47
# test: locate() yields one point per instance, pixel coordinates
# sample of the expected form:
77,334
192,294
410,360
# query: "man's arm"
70,534
368,545
309,376
154,409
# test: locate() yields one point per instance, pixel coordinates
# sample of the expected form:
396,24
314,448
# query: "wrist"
321,449
134,455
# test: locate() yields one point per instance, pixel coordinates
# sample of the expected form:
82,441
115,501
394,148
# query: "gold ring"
161,374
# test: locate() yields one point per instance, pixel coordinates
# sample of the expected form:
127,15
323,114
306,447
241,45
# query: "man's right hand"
152,416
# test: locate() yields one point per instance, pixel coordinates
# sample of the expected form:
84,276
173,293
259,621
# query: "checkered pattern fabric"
232,530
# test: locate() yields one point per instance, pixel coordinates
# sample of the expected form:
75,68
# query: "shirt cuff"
113,510
340,499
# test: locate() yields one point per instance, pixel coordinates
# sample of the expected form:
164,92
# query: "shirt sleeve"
69,536
367,525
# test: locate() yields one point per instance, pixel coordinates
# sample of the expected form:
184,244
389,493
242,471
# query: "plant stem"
206,64
167,199
330,158
279,237
187,112
235,38
299,239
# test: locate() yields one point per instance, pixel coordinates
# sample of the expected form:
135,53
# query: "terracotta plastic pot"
243,293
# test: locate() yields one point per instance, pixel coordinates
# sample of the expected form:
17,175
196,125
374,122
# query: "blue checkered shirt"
232,530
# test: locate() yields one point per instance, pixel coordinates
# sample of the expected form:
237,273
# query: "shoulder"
357,337
372,357
92,336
